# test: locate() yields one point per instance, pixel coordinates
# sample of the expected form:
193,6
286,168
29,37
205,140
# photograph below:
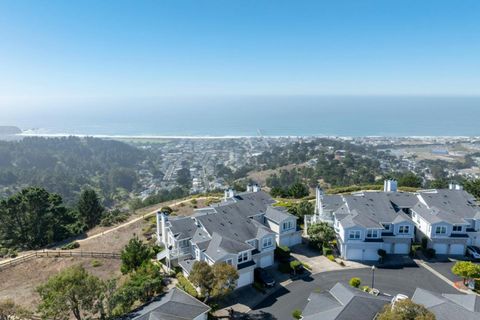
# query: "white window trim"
265,240
401,229
229,261
441,228
242,257
372,233
354,232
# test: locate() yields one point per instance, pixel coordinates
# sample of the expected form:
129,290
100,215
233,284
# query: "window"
354,234
457,228
229,261
372,233
441,230
386,227
183,243
267,242
287,225
242,257
404,229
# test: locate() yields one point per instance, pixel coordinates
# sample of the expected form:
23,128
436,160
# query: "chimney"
249,188
318,200
454,186
256,188
390,185
231,193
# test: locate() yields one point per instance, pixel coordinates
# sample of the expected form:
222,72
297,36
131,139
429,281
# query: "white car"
473,252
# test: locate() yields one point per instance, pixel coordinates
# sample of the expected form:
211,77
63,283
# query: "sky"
92,50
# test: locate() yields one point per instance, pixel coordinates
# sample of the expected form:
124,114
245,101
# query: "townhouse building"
242,231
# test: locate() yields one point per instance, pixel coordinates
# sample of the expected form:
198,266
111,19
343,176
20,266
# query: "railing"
59,254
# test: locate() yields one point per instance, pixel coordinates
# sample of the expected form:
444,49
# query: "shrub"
414,249
295,264
307,266
185,285
96,263
284,267
71,246
424,243
297,314
430,253
259,287
327,251
331,257
355,282
366,288
282,253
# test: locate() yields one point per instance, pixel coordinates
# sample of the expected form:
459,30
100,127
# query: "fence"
58,254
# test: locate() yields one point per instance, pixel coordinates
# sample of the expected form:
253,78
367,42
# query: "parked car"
473,252
265,278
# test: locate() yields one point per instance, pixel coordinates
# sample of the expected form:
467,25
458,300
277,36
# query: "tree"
33,218
466,270
473,187
225,279
134,254
72,291
320,233
202,277
298,190
10,311
405,310
302,209
184,178
89,207
410,179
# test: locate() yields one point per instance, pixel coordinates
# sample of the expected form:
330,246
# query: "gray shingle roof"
182,228
343,303
402,199
278,214
457,203
368,210
449,306
173,305
332,202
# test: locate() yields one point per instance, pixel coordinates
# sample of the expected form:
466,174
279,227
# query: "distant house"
242,231
343,303
173,305
449,306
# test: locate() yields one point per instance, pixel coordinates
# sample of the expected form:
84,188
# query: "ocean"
254,116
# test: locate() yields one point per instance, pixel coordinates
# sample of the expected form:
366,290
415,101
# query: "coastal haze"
253,116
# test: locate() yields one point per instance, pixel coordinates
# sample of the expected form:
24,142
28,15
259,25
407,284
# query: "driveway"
280,304
317,262
444,267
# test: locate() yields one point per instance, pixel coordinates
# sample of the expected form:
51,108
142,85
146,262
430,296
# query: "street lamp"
373,277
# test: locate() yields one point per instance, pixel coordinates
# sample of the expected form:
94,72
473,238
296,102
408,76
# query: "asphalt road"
390,281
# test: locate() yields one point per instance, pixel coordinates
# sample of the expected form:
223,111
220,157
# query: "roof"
182,228
220,246
247,204
457,203
332,202
369,210
173,305
449,306
343,303
402,199
278,214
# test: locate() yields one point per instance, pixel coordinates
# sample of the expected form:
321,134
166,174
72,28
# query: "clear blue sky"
103,49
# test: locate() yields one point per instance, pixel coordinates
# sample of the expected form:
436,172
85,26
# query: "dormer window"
457,229
441,230
404,229
267,242
354,234
386,226
288,225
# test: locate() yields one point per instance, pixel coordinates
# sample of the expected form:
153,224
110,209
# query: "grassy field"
19,282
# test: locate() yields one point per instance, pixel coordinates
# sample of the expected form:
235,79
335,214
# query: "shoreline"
207,137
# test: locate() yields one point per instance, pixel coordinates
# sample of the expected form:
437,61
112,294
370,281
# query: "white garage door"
440,248
266,261
354,254
401,248
457,249
370,254
245,279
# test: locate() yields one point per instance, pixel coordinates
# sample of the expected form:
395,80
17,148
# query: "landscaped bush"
355,282
430,253
382,253
282,253
424,243
71,246
284,267
185,285
297,314
307,266
331,257
296,266
414,249
327,251
366,288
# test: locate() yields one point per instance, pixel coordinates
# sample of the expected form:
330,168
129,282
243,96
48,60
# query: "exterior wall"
273,226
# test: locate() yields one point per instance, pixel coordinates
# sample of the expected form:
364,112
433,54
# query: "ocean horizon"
256,116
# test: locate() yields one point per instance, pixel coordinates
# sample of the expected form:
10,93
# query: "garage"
401,248
457,249
362,254
245,279
440,248
266,261
290,240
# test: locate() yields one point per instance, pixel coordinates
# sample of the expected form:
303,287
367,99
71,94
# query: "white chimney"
249,188
454,186
231,193
162,226
225,195
390,186
318,201
256,188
